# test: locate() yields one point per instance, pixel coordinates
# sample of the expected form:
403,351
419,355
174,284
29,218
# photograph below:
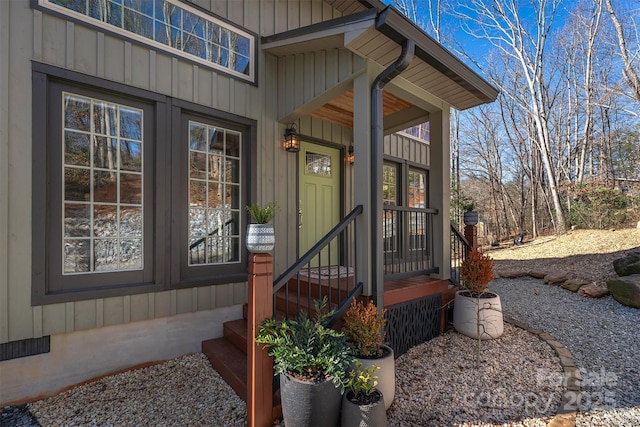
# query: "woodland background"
560,147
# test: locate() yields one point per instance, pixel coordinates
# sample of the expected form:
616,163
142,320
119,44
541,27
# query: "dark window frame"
252,79
403,167
165,266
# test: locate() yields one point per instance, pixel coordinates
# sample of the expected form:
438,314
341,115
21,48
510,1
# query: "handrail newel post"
259,364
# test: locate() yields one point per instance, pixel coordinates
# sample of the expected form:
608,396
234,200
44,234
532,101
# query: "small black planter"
309,404
371,415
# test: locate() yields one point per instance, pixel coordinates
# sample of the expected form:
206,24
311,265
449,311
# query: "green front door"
319,197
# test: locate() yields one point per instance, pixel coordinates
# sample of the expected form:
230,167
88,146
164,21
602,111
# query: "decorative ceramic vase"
371,415
386,374
468,309
470,218
307,404
260,238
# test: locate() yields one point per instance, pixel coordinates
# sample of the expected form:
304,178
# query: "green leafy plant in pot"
363,403
260,234
477,312
311,361
364,328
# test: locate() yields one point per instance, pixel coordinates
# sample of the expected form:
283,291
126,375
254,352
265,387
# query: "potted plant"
260,234
311,361
364,329
363,403
470,216
477,312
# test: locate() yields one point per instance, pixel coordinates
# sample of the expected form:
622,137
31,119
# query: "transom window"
171,25
214,194
103,184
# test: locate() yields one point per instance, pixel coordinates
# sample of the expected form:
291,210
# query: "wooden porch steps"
228,355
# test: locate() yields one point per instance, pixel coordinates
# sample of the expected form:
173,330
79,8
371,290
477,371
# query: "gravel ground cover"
437,384
602,335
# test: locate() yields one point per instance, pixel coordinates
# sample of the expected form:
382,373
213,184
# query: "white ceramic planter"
386,374
465,315
470,218
260,238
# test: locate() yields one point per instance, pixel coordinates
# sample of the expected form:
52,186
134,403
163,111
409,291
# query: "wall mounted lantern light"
291,139
350,155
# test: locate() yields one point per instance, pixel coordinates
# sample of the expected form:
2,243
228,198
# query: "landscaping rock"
627,266
626,290
633,252
593,290
538,274
556,278
512,274
574,284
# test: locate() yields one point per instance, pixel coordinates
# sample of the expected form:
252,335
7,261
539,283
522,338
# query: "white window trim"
94,22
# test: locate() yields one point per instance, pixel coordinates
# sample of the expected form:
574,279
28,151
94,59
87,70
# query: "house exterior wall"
30,35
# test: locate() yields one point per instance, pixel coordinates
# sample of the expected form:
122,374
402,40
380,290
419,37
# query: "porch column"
439,188
362,174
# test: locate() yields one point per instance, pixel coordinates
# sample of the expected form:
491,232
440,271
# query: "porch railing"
315,276
460,247
408,241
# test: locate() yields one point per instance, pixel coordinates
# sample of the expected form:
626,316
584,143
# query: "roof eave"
397,27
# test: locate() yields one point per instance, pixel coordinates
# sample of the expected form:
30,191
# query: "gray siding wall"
407,147
26,35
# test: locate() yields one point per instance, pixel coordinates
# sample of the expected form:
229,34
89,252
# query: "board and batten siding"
407,147
29,35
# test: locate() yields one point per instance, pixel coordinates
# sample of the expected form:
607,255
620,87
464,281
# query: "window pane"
77,256
197,193
99,181
197,137
417,189
131,188
105,221
105,187
218,190
106,254
77,114
105,119
389,186
131,156
105,152
318,164
130,254
198,165
77,184
76,148
130,221
131,124
77,220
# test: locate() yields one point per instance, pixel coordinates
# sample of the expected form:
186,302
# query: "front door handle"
300,215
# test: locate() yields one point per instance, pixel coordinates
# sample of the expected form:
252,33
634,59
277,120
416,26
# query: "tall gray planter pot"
306,404
386,374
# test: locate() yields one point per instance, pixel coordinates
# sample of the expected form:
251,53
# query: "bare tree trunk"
630,74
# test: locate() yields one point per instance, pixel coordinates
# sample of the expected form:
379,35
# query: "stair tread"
229,362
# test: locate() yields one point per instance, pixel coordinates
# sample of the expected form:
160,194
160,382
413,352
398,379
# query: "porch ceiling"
378,37
340,109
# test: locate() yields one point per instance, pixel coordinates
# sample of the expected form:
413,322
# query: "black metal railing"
460,247
407,235
314,276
